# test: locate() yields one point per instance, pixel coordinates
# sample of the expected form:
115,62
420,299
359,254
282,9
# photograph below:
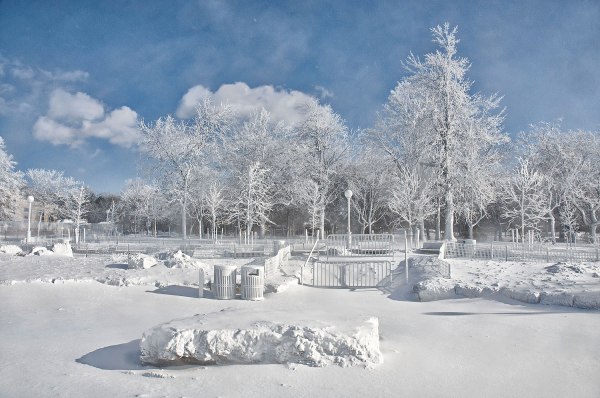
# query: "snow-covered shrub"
40,251
141,261
64,249
11,249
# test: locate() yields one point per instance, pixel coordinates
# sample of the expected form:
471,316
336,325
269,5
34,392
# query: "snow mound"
11,249
235,337
40,251
560,268
178,259
435,289
139,261
63,249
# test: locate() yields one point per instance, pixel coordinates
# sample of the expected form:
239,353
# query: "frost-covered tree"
585,194
321,147
434,109
11,182
411,197
180,147
525,202
52,191
369,179
141,204
75,206
253,162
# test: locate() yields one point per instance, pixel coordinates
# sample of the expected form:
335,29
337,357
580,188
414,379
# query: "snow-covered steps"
235,336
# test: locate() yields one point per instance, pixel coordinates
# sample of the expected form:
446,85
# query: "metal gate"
352,274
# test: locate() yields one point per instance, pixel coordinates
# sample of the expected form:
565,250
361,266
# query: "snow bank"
63,249
178,259
565,284
139,261
11,249
236,337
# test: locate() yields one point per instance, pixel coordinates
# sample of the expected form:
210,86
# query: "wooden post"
492,251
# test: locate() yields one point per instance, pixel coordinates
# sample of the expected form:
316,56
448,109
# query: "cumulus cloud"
72,118
283,105
78,106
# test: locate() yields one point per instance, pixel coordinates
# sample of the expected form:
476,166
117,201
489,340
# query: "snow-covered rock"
139,260
237,337
435,289
40,251
525,296
11,249
560,298
63,249
178,259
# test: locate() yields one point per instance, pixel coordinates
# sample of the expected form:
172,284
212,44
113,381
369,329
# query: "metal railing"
360,245
352,274
520,252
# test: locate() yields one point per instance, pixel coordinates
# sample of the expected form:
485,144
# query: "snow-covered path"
81,339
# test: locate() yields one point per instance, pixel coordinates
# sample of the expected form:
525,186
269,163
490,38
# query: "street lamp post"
348,195
30,200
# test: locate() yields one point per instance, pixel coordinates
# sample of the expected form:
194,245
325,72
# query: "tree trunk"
183,219
322,222
470,225
449,217
438,223
422,229
552,228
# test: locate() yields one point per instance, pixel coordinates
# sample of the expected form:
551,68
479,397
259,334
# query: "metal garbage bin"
253,282
224,281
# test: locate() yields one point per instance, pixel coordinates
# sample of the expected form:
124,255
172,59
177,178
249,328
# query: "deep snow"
78,337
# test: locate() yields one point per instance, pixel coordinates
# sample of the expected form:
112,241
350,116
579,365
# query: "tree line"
436,159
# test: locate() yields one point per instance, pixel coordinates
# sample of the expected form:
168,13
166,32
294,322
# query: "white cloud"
46,129
119,127
324,92
72,118
282,104
68,76
78,106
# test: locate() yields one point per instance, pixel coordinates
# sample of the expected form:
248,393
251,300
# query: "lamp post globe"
30,199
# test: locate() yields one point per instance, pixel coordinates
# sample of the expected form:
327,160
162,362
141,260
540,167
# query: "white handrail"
308,259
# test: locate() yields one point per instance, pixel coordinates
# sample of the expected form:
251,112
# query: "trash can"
224,281
253,282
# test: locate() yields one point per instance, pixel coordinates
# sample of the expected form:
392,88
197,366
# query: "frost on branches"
11,182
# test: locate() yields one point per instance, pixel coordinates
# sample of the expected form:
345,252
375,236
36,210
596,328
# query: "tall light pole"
348,195
30,200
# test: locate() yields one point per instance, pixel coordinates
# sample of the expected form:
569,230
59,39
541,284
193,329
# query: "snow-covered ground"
78,337
567,284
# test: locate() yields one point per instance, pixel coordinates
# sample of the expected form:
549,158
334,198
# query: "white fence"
360,245
352,274
272,264
520,252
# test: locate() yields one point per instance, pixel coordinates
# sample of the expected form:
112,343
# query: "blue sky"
75,76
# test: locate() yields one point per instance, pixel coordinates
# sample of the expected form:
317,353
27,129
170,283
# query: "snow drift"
213,339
